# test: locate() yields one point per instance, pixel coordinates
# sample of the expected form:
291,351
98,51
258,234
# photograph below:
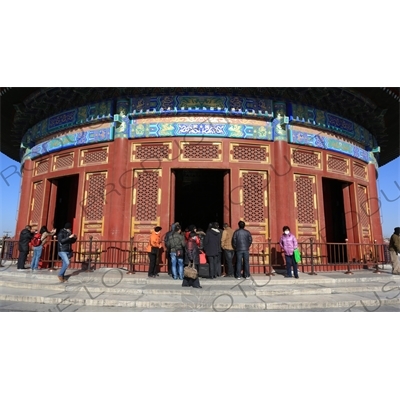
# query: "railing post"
348,272
89,269
53,255
312,258
270,263
131,268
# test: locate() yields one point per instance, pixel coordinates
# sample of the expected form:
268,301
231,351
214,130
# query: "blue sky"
388,188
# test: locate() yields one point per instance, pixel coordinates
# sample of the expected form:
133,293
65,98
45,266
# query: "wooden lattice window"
359,171
94,209
37,200
206,151
338,165
305,199
62,162
151,152
95,156
363,206
42,167
249,153
253,197
308,158
147,195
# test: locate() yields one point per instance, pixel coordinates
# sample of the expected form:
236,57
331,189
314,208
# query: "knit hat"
67,226
157,229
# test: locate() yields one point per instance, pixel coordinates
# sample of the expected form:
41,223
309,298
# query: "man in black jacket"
212,247
23,246
65,239
241,242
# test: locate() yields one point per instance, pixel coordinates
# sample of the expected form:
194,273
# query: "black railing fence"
265,257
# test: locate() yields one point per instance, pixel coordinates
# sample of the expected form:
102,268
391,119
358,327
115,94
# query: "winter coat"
192,249
176,241
394,243
242,240
44,237
212,242
24,238
168,234
64,241
201,235
154,241
288,243
226,239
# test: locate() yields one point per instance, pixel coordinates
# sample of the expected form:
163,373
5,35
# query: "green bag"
297,255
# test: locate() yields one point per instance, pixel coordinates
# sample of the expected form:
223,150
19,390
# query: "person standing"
226,244
167,252
37,250
25,237
212,246
153,250
176,244
288,242
241,242
394,250
65,239
192,249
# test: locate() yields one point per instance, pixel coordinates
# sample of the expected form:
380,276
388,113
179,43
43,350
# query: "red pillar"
227,203
25,200
172,217
376,225
282,174
117,212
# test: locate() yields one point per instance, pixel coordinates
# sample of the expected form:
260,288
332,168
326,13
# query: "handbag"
202,257
297,255
190,272
179,253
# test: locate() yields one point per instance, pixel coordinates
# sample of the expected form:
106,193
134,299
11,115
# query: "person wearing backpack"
25,238
38,240
176,244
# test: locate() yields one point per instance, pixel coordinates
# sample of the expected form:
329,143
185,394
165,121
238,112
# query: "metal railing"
265,257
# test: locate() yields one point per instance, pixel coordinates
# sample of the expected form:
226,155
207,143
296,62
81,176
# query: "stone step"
210,288
198,300
111,276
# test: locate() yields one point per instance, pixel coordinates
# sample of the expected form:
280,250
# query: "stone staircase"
113,289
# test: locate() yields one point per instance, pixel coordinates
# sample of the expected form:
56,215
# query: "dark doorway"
199,197
66,199
335,222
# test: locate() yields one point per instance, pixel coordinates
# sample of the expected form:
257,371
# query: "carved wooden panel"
42,166
63,161
306,158
153,151
241,152
146,200
254,202
337,164
305,197
93,206
364,213
200,151
94,156
37,204
359,171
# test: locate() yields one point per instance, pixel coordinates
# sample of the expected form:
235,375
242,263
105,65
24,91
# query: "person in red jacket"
153,249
